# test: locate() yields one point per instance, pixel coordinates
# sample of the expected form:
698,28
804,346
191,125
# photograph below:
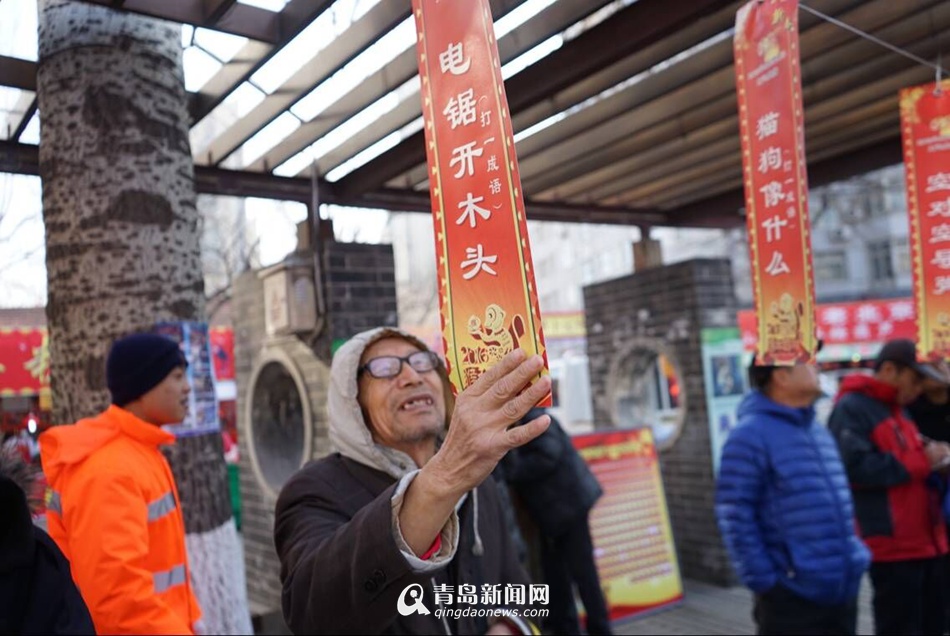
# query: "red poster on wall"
925,129
24,361
487,291
222,352
771,123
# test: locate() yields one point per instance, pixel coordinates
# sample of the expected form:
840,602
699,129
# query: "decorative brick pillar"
669,306
361,289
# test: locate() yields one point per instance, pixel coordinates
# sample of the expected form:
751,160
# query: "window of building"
902,264
896,201
880,256
831,266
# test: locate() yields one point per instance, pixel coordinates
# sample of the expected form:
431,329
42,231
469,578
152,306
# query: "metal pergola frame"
661,149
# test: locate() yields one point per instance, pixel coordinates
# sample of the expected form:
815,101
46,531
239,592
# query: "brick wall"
361,288
360,293
669,306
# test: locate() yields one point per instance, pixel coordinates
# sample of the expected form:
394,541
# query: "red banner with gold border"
768,81
630,524
861,322
24,361
925,130
487,293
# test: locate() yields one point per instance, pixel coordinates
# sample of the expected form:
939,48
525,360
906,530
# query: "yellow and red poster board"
487,291
24,361
925,130
771,123
630,524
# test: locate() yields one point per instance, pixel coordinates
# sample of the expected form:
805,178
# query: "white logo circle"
414,591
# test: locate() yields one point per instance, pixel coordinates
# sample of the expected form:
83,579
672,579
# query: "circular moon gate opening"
648,391
278,429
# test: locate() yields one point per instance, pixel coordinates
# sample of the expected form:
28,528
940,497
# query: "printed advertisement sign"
925,130
195,343
630,524
487,292
771,123
726,382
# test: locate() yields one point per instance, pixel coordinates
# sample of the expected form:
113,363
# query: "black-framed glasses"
385,367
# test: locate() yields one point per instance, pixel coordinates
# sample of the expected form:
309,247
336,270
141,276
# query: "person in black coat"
37,593
558,490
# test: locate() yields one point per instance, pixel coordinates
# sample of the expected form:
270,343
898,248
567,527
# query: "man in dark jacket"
889,466
931,414
785,511
558,490
37,593
399,531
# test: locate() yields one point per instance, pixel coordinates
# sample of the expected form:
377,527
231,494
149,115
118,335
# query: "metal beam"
17,73
626,32
24,159
215,10
237,183
19,158
241,19
335,55
25,121
719,211
550,21
722,210
293,18
397,200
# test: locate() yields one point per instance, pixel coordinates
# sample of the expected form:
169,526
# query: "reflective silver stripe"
54,503
169,578
161,507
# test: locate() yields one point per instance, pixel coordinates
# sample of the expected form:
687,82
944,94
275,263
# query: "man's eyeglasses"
385,367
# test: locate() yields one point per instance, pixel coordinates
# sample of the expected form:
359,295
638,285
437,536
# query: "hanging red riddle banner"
487,293
771,122
925,130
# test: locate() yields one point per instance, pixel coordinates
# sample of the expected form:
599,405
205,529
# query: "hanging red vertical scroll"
487,291
925,129
771,122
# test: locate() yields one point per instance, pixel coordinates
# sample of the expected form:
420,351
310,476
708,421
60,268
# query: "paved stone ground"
708,609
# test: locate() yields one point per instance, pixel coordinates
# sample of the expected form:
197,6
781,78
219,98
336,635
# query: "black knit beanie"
138,363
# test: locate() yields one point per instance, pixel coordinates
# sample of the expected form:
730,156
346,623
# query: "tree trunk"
122,244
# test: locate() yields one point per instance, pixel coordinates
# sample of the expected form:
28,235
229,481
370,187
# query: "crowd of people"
805,511
404,504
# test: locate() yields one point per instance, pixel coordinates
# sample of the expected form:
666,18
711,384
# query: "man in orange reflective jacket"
113,507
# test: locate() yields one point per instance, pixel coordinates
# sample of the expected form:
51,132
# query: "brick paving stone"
707,609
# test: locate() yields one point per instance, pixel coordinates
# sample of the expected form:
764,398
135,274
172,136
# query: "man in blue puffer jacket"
785,510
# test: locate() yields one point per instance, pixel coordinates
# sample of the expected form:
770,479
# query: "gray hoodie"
349,433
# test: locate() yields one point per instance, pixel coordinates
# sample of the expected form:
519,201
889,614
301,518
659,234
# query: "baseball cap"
904,353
